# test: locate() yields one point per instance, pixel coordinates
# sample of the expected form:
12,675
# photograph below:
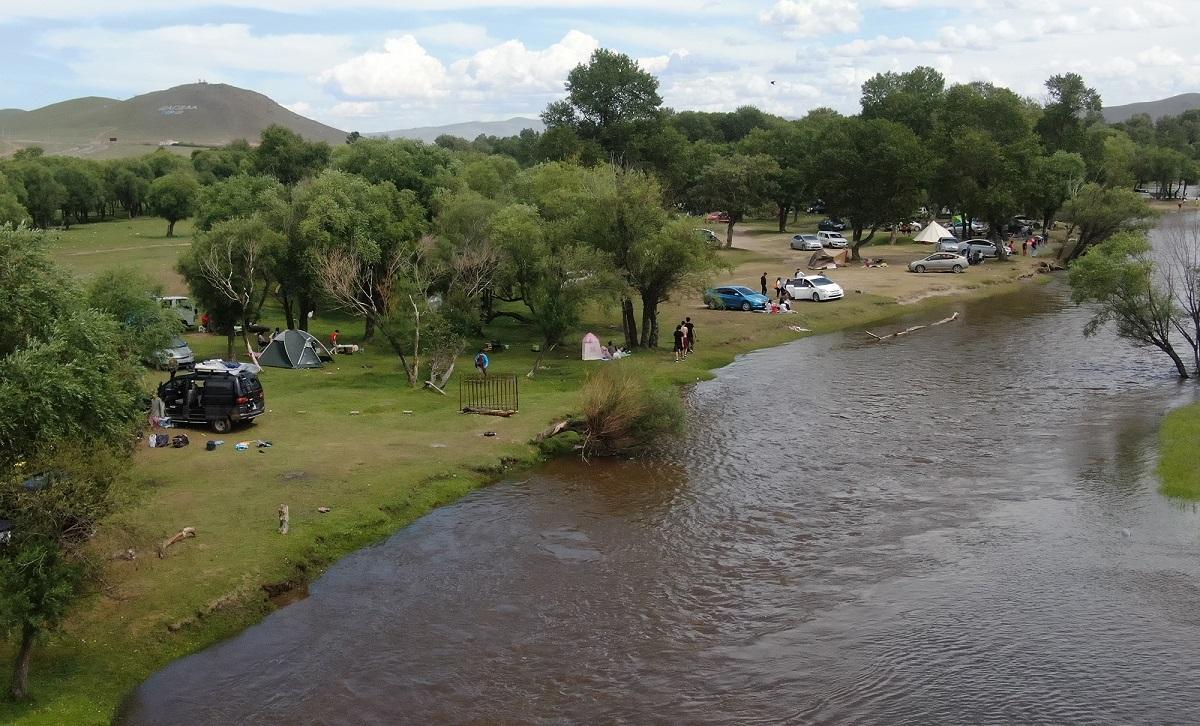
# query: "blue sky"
381,64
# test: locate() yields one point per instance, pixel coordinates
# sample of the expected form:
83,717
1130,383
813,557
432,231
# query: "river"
958,526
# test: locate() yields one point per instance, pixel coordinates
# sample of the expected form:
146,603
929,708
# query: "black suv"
832,224
216,393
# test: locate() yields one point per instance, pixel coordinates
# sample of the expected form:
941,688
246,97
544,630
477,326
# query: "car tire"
919,268
745,307
708,304
958,268
221,425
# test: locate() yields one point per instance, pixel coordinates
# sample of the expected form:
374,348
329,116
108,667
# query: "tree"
873,173
129,297
407,164
793,147
1098,213
1055,179
914,98
12,212
71,401
1182,276
1072,107
611,101
1117,277
738,184
285,155
44,195
173,197
231,258
239,196
130,181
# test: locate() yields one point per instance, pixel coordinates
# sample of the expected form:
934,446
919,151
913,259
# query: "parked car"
217,393
806,242
833,240
179,351
831,224
948,244
183,307
939,262
817,288
708,235
818,207
985,247
717,217
734,297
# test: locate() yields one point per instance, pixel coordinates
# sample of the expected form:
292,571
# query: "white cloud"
454,35
402,69
512,66
658,63
807,18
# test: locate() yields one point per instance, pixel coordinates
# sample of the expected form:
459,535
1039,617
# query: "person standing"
763,281
333,339
481,363
691,334
1025,247
678,343
779,288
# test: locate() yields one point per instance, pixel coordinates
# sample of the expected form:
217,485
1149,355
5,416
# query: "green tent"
294,349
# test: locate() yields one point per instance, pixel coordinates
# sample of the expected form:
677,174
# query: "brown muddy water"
960,526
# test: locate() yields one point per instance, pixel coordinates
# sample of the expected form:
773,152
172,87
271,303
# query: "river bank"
353,437
1180,439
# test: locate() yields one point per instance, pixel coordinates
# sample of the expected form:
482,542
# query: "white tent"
591,348
932,233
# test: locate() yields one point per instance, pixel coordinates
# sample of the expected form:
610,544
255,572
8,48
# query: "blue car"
734,297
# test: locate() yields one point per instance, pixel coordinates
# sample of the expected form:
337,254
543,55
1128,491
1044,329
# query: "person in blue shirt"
481,363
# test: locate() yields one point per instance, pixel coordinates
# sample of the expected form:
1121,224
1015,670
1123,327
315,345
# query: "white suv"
834,240
817,288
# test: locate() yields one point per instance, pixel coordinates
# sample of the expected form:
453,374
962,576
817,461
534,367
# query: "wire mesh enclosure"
495,395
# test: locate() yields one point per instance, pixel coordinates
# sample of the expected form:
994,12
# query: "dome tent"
591,348
294,349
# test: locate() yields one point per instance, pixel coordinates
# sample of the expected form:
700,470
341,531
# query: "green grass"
404,452
141,243
1179,439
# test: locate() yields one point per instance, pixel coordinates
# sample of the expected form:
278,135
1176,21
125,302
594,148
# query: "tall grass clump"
623,413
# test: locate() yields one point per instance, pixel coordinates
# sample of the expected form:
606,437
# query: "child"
481,363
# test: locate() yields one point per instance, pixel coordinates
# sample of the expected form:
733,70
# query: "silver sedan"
939,262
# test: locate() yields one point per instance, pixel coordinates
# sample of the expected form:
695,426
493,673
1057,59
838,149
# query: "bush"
622,413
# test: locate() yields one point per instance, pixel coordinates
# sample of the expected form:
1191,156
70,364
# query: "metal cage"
489,394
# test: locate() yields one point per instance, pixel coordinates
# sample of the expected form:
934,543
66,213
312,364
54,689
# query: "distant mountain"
201,114
467,130
1172,106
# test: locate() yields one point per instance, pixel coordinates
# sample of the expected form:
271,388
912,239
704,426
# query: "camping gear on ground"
241,445
828,259
6,527
591,348
345,349
217,393
264,444
932,233
158,441
210,446
294,349
179,441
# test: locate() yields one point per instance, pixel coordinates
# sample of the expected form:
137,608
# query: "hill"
197,114
1172,106
467,130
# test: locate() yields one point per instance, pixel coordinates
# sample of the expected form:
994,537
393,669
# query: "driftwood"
489,411
569,425
183,534
284,519
431,384
1048,266
913,329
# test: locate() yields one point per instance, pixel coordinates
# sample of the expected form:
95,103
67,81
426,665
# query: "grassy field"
1179,439
355,438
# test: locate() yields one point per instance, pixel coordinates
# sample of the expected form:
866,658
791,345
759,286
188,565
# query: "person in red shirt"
333,339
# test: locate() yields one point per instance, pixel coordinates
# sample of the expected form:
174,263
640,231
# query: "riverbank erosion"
355,439
1180,440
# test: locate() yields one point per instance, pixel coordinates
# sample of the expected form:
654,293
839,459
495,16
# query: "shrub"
622,413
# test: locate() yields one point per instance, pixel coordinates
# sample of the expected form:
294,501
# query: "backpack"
180,441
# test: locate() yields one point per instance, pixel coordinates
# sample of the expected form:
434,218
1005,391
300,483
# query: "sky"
375,65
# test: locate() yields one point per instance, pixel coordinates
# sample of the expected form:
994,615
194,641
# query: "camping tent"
591,348
294,349
932,233
828,259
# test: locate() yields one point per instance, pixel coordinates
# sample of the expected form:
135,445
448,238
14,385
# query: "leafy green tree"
738,184
173,197
213,165
611,101
163,162
913,98
1055,178
450,142
129,297
1073,106
406,164
1110,156
12,212
793,147
130,182
70,396
285,155
44,195
239,196
873,174
1117,277
1097,213
82,187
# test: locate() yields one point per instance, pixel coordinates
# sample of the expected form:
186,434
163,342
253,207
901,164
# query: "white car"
817,288
183,307
986,247
806,242
833,240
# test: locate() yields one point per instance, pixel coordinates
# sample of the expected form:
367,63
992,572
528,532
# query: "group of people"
1030,246
685,339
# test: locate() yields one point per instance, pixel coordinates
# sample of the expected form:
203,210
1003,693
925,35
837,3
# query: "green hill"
1172,106
197,114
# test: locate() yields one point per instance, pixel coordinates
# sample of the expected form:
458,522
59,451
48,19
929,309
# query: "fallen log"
489,411
431,384
912,329
183,534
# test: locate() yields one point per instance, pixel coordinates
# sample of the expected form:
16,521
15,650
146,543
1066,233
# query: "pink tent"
591,348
